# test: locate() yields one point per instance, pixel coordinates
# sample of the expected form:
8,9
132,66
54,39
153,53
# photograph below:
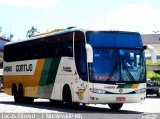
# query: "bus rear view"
117,74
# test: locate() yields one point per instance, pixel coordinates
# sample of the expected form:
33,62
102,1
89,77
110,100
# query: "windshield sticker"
104,77
83,85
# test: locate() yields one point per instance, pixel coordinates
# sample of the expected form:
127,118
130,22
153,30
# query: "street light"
155,31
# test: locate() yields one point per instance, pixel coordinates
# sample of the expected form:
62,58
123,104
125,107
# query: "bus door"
81,77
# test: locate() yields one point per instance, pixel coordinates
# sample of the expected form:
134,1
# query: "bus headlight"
143,90
100,91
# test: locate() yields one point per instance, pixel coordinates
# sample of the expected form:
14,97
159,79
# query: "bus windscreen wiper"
127,71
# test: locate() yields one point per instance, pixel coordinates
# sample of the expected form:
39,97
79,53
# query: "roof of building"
4,39
151,38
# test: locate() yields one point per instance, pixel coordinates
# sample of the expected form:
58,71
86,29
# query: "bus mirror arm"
89,53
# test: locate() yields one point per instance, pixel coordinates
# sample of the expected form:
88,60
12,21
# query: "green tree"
4,36
10,37
32,31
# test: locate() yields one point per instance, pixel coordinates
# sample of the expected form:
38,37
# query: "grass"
148,62
151,74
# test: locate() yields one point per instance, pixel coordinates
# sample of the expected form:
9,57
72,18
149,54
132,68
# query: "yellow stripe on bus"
30,82
135,86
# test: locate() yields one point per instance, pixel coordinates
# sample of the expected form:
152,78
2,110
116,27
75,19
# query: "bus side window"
65,44
68,45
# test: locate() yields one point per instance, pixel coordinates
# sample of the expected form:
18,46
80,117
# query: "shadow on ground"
76,109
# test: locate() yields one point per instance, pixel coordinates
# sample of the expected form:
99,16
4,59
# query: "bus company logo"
80,93
120,90
67,69
24,67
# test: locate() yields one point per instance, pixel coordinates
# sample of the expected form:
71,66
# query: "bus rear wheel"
28,99
15,93
22,98
115,106
16,98
20,93
19,96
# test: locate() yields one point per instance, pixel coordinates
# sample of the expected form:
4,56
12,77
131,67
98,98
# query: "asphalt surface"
43,109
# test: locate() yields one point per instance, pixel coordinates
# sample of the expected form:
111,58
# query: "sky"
18,16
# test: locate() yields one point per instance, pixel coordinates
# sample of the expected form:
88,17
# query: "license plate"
120,99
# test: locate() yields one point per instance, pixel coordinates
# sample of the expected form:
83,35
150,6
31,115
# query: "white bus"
77,66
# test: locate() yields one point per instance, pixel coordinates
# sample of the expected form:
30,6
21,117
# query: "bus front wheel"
115,106
67,97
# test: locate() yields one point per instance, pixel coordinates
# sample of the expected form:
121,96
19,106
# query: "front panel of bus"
117,74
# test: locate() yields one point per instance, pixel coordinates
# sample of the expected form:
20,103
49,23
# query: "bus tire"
20,93
116,106
21,97
28,99
15,93
67,96
55,102
75,104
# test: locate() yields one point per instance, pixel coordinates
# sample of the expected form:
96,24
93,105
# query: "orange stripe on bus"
39,67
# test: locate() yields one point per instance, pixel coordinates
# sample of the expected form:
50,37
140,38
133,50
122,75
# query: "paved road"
41,108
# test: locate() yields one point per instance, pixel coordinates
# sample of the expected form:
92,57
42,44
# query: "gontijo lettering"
24,67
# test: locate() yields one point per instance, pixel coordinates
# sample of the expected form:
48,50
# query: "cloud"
137,17
30,3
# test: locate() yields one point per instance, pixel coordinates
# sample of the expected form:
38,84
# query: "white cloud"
30,3
139,17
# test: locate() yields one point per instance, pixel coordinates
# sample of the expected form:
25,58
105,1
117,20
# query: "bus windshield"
118,57
118,65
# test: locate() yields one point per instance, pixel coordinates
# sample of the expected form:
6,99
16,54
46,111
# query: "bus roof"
62,31
42,35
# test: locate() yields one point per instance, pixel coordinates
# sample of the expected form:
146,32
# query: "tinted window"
80,55
47,47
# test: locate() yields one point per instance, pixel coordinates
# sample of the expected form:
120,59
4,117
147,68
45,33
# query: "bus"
77,66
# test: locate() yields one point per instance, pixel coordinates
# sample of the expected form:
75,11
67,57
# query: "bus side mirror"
89,53
144,47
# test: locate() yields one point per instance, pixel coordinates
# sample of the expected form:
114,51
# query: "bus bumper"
95,98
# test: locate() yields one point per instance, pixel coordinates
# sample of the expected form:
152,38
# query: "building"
153,40
2,43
